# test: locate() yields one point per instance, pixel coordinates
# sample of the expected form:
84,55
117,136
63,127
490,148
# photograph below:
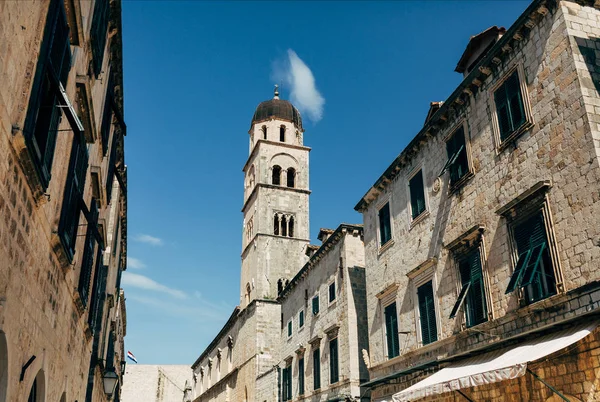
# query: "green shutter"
427,313
301,376
509,106
476,303
315,305
290,328
417,195
333,361
317,369
385,232
461,297
391,328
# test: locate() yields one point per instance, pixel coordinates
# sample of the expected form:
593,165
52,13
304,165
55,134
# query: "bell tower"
276,193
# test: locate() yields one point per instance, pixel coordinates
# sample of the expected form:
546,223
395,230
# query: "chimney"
324,234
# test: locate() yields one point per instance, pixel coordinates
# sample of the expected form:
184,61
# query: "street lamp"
110,382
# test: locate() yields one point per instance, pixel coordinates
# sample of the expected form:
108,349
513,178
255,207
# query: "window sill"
332,303
512,138
461,182
419,219
386,246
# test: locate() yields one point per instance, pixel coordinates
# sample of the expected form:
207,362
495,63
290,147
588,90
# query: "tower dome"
277,109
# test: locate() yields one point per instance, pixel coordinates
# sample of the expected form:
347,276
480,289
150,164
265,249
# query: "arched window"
276,225
276,175
291,177
283,226
282,133
291,227
264,130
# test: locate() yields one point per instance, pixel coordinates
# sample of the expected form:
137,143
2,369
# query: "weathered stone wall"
559,148
40,311
156,383
340,257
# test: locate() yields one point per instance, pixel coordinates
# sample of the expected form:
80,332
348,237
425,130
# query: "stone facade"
339,262
239,364
62,199
547,168
156,383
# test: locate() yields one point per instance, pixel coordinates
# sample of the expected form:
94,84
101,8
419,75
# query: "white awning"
499,365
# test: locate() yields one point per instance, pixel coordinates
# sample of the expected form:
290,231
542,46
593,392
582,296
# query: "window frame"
381,245
301,376
550,245
301,319
463,300
316,356
421,278
332,285
454,185
318,307
384,307
290,328
502,143
415,219
334,369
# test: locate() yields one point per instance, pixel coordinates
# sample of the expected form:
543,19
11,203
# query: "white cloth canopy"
499,365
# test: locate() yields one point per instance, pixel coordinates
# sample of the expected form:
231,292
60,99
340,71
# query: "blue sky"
194,73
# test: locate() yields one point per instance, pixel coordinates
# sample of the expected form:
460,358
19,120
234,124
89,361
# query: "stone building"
244,361
324,321
63,203
482,238
239,364
157,383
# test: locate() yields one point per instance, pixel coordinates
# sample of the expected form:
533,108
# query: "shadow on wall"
588,49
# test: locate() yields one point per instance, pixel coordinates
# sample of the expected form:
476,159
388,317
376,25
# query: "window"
291,227
291,177
33,392
315,305
282,133
391,330
458,163
533,272
74,187
276,225
334,371
427,313
110,175
510,108
276,175
52,71
316,369
283,226
301,319
107,115
289,328
332,292
87,261
417,194
385,226
98,33
301,376
287,383
264,130
472,293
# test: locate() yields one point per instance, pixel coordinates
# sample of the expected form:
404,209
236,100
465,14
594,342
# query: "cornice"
273,187
268,142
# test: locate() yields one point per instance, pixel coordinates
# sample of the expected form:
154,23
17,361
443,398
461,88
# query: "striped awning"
499,365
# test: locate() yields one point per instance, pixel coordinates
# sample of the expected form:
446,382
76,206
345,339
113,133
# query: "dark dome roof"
277,109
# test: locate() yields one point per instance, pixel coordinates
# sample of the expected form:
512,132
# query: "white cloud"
145,238
304,93
135,263
143,282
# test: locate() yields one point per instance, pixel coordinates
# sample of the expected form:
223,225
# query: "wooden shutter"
515,101
476,295
301,376
391,328
87,263
317,369
98,33
417,195
333,361
315,305
384,224
427,313
107,114
502,111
